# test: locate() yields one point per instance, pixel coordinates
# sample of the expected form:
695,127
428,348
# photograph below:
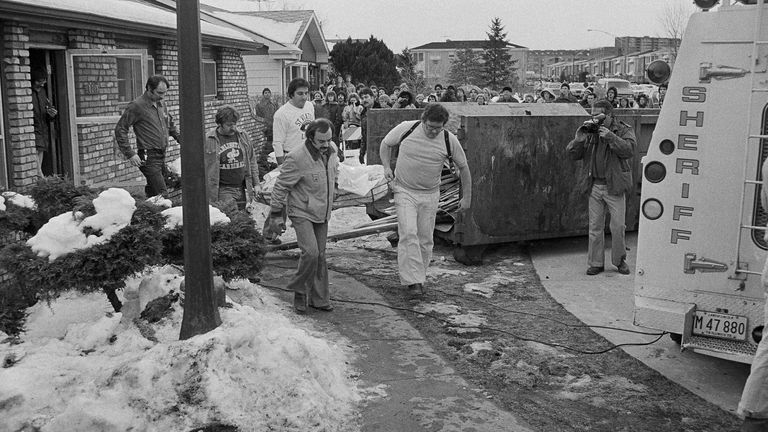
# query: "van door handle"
707,71
691,264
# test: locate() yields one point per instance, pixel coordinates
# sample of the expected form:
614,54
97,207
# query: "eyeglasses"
433,129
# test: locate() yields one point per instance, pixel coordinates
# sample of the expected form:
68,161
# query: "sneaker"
416,289
595,270
326,308
623,268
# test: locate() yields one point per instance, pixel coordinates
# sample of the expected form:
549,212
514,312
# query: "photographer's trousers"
416,213
601,201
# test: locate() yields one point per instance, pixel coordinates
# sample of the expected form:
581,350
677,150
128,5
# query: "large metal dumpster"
522,179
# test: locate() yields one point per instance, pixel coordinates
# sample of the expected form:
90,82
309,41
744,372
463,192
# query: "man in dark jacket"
606,150
152,123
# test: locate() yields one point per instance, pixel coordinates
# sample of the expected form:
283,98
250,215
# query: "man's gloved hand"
274,226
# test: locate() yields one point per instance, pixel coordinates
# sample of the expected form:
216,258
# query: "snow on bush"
175,216
18,199
64,233
259,371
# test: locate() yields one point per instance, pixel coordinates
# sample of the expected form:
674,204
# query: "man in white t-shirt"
291,119
416,185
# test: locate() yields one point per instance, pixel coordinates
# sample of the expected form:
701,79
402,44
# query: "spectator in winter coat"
404,100
612,96
546,96
351,113
318,103
334,111
642,101
384,102
565,95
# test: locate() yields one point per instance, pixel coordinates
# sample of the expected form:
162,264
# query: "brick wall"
96,93
15,67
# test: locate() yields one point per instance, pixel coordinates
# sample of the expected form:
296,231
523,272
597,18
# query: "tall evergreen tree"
406,65
466,67
366,61
498,67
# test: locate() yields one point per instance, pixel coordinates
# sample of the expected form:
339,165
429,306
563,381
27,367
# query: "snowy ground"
82,367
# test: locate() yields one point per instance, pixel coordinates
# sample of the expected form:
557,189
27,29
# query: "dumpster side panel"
523,180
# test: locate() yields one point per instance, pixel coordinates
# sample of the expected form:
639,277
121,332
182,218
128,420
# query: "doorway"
58,159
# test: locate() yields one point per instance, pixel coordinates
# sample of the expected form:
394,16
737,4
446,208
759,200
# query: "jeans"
599,201
153,169
311,278
233,193
416,213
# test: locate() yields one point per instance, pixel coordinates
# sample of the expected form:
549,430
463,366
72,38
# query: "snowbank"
259,370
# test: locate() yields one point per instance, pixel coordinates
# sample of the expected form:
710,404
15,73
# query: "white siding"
261,72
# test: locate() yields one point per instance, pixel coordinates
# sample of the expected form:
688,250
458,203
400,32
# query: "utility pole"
200,312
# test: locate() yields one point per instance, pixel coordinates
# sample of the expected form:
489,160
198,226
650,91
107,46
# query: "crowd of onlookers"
590,94
340,100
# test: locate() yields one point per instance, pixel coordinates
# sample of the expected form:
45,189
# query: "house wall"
18,90
100,164
262,71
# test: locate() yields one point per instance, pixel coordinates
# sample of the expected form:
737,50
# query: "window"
150,66
209,78
420,57
128,78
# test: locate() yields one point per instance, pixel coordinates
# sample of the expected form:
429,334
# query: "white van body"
700,248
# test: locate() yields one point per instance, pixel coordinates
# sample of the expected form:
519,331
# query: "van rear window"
759,214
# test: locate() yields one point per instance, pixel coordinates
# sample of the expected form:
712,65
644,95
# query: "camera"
593,125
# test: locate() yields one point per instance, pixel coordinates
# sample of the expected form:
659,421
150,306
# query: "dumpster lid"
469,109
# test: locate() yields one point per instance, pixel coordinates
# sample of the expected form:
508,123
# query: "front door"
58,159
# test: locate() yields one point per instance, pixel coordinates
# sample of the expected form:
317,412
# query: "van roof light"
658,71
706,4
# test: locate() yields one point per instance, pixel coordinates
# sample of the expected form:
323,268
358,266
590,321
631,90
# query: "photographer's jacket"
618,169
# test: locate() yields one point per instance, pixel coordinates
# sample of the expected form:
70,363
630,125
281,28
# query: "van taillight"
652,209
655,172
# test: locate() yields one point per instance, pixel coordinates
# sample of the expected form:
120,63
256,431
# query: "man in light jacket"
306,187
231,168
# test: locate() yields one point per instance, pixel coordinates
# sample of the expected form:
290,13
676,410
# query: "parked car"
577,88
623,87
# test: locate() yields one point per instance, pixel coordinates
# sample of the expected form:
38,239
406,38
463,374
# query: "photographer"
606,147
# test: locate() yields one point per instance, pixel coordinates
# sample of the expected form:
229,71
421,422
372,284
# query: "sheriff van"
701,246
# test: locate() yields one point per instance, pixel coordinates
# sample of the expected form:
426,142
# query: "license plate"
714,324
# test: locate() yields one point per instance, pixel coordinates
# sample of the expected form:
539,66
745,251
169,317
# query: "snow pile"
158,200
16,199
176,217
175,166
63,234
78,369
